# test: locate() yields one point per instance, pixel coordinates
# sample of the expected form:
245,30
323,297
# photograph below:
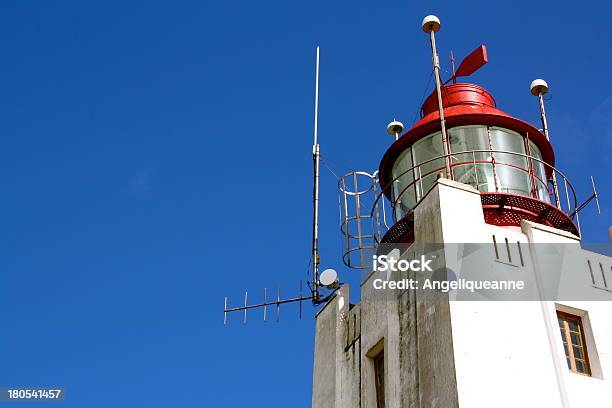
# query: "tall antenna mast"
328,279
315,198
430,25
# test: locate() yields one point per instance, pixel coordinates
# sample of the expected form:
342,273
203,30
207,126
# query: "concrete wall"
337,359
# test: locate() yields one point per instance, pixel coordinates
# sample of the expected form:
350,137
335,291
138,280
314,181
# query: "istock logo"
384,263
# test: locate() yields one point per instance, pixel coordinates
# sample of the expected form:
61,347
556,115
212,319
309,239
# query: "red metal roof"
465,104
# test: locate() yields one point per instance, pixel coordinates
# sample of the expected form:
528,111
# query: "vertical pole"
315,199
534,187
265,304
414,177
595,195
245,305
421,193
278,305
475,170
347,233
376,227
569,206
300,299
452,60
492,160
358,218
545,130
436,67
225,312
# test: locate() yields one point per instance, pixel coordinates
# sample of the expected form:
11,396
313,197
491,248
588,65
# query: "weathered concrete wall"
324,370
348,359
379,330
408,356
337,373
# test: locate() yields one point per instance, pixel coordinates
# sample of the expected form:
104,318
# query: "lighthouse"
468,172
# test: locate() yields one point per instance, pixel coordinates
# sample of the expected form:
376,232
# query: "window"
379,373
512,170
574,343
404,186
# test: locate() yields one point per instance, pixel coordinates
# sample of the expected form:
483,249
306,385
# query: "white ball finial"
538,87
431,23
395,128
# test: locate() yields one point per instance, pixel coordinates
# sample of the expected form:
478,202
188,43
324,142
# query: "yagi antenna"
593,196
265,304
329,278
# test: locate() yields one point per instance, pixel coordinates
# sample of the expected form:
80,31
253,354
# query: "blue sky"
155,157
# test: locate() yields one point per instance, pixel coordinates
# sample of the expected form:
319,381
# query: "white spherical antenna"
539,87
431,23
395,128
329,278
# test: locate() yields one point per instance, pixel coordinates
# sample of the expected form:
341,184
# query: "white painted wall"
510,353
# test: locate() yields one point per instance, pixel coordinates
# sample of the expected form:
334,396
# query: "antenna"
315,198
452,60
329,278
264,305
431,24
593,196
538,88
395,128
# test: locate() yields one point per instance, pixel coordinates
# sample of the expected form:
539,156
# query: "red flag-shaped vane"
472,62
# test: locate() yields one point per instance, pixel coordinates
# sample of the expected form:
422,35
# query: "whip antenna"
315,195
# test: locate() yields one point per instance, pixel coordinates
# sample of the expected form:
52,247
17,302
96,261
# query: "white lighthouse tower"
467,172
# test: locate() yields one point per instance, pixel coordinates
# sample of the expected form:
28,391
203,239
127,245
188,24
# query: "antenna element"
593,196
538,88
431,24
329,279
395,128
315,199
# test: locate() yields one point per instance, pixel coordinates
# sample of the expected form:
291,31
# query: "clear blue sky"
155,157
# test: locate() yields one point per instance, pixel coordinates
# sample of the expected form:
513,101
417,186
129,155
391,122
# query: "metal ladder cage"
363,218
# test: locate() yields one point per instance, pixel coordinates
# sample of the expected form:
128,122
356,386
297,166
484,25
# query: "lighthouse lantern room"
509,161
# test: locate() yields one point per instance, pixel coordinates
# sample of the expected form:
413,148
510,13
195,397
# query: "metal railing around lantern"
416,181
